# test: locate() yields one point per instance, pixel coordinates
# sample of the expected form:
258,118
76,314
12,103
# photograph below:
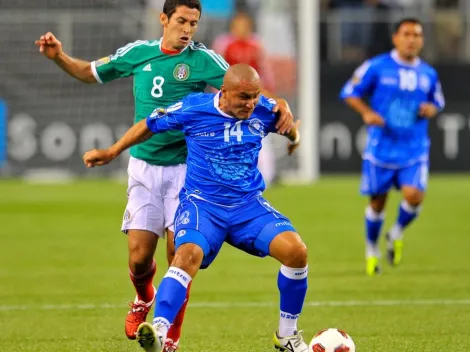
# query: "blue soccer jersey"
395,90
222,150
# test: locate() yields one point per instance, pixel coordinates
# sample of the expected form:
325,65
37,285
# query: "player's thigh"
173,181
144,209
413,182
376,180
254,225
199,223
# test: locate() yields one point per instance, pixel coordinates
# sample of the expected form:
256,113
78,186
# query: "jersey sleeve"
436,95
172,118
270,118
361,83
119,65
215,67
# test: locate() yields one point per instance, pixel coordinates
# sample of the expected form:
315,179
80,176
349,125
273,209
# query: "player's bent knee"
377,203
413,197
289,249
188,257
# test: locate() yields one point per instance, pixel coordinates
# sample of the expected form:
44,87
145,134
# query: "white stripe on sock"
162,325
409,208
287,324
373,216
179,275
294,273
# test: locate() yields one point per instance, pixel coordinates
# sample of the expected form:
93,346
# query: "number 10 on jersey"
235,131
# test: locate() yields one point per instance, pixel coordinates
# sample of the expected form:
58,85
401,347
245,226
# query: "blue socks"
170,296
292,284
373,223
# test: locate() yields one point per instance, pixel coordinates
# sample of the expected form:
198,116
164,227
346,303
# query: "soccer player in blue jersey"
403,93
221,200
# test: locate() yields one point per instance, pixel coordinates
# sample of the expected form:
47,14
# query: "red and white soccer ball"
332,340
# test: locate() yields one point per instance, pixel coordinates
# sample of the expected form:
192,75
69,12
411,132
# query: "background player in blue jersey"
221,200
403,93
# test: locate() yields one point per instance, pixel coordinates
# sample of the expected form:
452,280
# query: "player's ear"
163,19
395,39
223,90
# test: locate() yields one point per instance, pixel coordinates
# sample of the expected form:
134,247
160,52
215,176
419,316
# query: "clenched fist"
98,157
49,45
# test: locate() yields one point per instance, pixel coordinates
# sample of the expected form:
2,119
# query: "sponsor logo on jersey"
181,72
257,127
205,134
284,223
147,68
127,215
102,61
183,219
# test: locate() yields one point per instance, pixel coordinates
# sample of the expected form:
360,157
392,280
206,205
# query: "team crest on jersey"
257,127
181,72
102,61
127,215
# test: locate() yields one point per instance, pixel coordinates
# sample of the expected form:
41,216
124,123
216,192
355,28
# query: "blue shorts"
377,180
250,226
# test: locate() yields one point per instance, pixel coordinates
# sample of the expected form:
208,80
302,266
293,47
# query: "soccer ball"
332,340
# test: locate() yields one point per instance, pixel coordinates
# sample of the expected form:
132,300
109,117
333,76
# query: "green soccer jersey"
161,79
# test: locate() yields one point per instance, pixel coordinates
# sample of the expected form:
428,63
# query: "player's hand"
286,118
97,157
428,110
291,147
49,45
373,119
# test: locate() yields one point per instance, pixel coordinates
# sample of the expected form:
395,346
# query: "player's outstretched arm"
51,48
135,135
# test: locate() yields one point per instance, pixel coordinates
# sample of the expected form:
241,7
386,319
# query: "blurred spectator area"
352,30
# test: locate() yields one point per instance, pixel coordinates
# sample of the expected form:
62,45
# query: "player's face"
179,29
241,27
243,99
409,40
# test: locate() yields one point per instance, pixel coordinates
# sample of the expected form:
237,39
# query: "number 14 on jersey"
233,131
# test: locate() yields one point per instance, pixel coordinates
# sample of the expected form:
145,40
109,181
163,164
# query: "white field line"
228,305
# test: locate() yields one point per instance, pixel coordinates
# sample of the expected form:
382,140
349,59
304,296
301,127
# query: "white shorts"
152,196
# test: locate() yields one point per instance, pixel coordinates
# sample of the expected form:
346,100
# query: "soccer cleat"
136,316
170,345
150,338
372,266
394,250
294,343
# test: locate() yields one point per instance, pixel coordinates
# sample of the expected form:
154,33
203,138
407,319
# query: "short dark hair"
412,20
169,8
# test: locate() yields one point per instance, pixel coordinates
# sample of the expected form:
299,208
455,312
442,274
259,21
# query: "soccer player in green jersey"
164,72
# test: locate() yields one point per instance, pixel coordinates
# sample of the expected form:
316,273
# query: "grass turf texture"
64,278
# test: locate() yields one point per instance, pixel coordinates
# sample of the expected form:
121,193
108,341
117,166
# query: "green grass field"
64,278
